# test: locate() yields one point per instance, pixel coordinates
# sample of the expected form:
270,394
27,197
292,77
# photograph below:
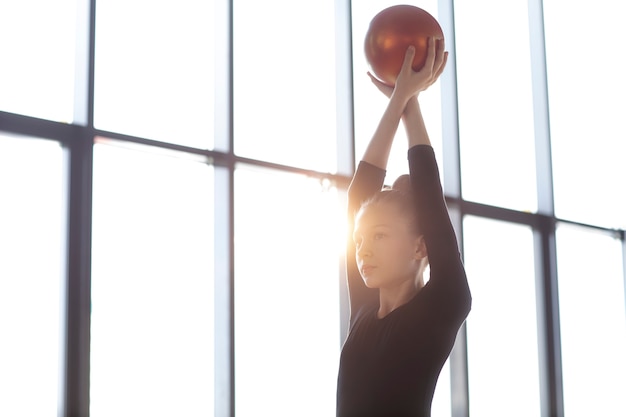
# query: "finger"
439,70
430,55
374,80
408,58
439,53
441,44
382,87
441,66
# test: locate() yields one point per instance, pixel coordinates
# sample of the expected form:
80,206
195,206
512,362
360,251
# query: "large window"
502,328
588,148
152,291
31,269
284,82
592,305
288,233
154,66
495,103
173,180
38,43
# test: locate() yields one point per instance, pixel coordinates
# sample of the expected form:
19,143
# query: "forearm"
367,180
436,226
379,147
414,124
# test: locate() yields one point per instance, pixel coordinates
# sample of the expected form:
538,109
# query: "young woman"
401,329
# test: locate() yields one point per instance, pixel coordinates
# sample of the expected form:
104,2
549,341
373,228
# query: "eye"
378,236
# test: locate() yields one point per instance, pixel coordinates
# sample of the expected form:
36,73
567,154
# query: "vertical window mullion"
224,294
345,93
224,214
623,238
76,361
452,187
547,285
551,381
450,106
83,63
345,123
543,151
75,398
459,378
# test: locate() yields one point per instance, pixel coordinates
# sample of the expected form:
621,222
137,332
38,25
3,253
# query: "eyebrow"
373,226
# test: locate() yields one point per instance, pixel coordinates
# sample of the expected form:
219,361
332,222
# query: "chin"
371,283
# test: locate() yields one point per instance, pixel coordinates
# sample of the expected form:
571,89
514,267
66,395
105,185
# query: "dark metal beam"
78,290
39,128
548,321
75,401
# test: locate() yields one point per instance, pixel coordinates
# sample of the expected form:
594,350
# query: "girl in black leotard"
401,330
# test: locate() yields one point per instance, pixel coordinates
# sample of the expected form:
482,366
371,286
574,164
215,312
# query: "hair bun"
402,183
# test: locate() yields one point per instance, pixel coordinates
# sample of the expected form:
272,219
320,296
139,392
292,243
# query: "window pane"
369,103
495,103
37,46
154,70
442,405
152,287
31,236
284,82
502,326
586,118
289,238
593,322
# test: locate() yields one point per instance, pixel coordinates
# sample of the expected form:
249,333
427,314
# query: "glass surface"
502,326
152,286
369,103
495,103
154,70
37,46
593,322
284,82
587,112
289,235
442,405
31,275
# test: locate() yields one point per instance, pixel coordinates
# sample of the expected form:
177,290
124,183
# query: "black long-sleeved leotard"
389,366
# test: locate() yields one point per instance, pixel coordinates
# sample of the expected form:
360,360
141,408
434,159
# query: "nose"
362,250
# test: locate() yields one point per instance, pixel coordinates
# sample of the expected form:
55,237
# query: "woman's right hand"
410,83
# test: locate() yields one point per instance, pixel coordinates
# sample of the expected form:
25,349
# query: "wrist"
411,107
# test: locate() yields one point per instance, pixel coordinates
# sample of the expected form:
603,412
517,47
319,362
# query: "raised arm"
446,267
370,174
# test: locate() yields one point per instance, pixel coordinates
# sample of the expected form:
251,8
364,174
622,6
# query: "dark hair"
400,196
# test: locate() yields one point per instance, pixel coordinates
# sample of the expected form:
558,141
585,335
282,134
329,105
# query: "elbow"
465,294
468,303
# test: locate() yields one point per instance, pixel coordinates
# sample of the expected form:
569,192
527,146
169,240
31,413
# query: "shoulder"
366,313
366,176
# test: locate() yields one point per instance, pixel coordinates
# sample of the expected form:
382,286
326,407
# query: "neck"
392,298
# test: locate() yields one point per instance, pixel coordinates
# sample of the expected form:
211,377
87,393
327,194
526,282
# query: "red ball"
389,35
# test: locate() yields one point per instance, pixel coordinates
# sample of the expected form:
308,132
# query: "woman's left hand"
382,87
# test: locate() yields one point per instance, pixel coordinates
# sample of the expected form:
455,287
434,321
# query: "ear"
421,251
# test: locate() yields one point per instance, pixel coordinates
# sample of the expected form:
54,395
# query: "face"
387,253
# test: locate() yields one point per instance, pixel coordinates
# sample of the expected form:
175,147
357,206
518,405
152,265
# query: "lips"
365,269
